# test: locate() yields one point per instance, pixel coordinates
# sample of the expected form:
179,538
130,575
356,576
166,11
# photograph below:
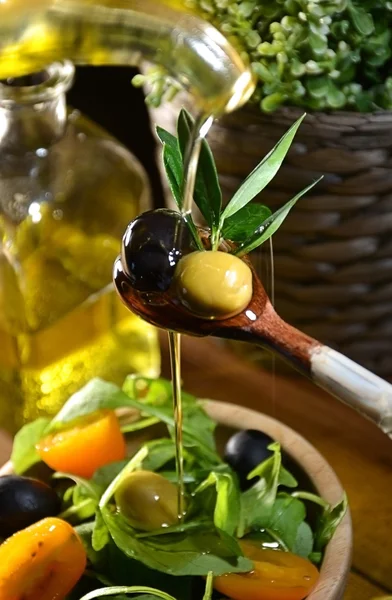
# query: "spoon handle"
356,386
365,392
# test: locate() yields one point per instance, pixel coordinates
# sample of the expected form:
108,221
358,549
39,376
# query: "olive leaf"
172,161
272,224
262,174
244,223
207,193
248,225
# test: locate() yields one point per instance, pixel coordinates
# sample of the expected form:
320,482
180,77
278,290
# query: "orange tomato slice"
94,441
276,576
42,562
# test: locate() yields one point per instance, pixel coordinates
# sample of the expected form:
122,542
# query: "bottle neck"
33,110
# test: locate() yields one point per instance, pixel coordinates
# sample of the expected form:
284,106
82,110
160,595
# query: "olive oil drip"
200,130
175,365
271,292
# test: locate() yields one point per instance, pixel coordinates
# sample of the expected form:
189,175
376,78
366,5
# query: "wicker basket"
333,254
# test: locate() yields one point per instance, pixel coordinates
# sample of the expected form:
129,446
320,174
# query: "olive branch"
247,225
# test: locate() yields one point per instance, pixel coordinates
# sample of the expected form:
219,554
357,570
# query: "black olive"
24,501
152,245
244,451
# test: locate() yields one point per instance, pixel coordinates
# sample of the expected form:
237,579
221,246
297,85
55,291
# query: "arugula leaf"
104,476
150,391
198,428
286,518
172,161
85,498
194,553
316,557
112,565
257,502
85,532
272,224
207,193
92,490
95,395
227,505
244,223
138,425
24,454
286,478
330,519
100,535
160,452
303,544
262,174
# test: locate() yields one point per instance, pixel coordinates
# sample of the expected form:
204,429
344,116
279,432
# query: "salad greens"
249,225
273,510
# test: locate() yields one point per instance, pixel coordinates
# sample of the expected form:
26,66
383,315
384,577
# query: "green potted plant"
332,59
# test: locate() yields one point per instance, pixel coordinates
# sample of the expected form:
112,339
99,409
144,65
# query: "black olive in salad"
244,451
24,501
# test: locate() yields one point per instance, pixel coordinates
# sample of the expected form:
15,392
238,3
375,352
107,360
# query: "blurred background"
107,96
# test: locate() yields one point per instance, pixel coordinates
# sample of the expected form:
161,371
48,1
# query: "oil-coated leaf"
262,174
272,224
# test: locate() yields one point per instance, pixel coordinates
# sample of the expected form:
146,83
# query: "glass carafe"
34,33
67,192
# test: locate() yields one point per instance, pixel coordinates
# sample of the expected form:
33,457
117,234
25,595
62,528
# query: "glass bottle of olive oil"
67,192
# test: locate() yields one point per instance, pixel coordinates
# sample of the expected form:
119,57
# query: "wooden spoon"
259,324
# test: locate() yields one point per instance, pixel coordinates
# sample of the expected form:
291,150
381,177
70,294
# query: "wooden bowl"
337,560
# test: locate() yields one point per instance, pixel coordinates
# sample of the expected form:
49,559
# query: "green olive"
213,285
147,500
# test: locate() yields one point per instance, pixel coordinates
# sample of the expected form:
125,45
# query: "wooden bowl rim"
337,560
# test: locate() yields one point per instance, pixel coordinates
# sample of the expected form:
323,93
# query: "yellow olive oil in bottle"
67,192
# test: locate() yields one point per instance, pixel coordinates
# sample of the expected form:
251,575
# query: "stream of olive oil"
175,365
200,130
